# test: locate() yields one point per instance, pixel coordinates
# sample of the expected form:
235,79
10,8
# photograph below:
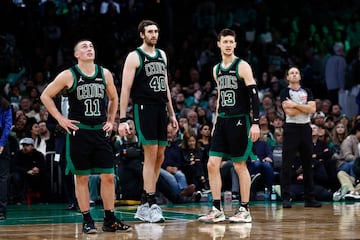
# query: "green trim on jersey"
138,50
231,65
89,127
97,69
222,115
73,87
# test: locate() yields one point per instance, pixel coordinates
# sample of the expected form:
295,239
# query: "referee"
298,104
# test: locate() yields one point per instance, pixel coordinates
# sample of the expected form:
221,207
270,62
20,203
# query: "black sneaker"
114,225
2,216
89,227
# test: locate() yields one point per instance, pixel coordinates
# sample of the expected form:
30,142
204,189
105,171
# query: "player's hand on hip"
254,132
123,129
68,124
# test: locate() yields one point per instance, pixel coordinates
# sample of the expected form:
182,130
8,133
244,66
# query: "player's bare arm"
169,105
113,100
217,100
132,62
63,80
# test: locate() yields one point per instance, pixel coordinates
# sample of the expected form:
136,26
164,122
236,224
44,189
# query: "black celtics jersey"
150,85
234,97
87,97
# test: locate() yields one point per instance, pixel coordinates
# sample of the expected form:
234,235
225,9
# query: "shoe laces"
156,209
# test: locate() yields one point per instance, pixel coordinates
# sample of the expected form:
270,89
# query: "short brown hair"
145,23
226,32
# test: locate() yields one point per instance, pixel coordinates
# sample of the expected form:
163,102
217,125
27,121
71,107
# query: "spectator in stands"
130,157
335,72
266,134
204,139
336,111
318,119
29,172
326,106
172,165
193,120
33,132
349,151
277,151
192,161
263,164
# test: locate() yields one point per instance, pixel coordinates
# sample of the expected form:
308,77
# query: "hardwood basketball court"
339,220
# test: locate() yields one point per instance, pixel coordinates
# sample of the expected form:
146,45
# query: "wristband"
255,120
123,120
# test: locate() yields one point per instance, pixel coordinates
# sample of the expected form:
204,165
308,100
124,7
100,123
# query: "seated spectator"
32,130
321,193
278,122
323,134
277,151
163,187
179,103
336,111
326,106
46,136
202,119
266,131
329,123
29,173
197,99
129,160
321,151
19,128
183,126
171,167
263,165
318,119
204,139
192,161
193,121
338,135
349,151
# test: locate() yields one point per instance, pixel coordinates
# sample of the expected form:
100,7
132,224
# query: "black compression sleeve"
255,103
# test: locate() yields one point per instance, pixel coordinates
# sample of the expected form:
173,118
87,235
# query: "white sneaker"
352,196
155,214
142,212
340,194
241,216
213,216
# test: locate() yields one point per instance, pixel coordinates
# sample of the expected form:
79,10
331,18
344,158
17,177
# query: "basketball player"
89,121
145,80
234,129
